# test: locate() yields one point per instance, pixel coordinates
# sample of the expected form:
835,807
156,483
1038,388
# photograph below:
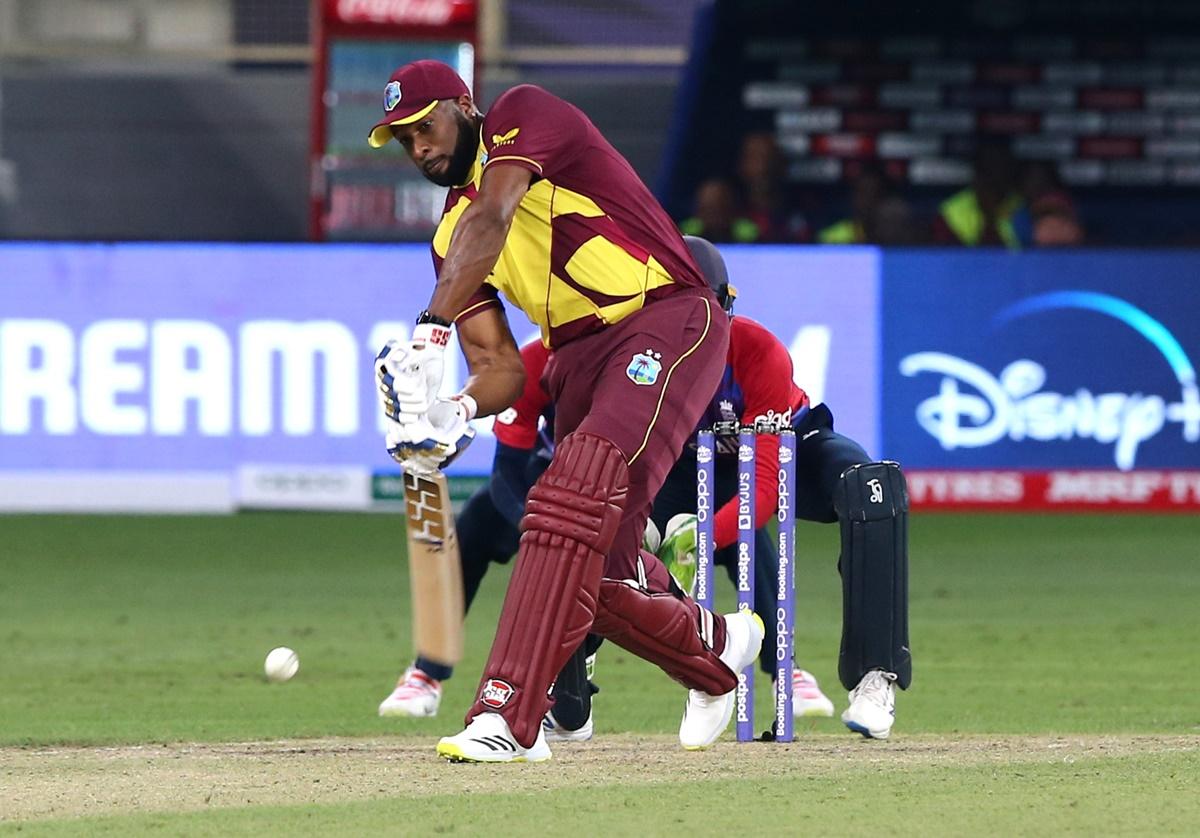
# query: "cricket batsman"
488,531
544,210
835,482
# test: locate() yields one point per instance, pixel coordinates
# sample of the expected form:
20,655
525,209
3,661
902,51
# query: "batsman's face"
443,145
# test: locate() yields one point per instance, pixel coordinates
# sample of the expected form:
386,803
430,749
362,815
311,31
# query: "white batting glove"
409,374
434,440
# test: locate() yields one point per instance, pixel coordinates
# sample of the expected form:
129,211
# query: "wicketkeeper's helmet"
713,267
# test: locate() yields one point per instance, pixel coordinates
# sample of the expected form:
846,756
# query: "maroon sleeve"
517,427
763,368
483,299
534,129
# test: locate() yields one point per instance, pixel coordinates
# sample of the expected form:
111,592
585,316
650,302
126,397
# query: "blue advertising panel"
1037,361
823,303
163,357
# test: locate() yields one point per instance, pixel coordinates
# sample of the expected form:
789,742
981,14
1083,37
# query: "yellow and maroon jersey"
589,244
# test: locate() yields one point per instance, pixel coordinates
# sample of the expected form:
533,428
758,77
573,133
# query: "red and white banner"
401,12
1066,491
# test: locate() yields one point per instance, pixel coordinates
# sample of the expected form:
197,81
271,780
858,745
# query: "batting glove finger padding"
433,440
409,373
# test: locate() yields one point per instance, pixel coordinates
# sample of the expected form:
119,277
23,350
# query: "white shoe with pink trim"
416,695
807,698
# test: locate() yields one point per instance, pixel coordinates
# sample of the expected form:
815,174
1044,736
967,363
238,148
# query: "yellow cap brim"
380,134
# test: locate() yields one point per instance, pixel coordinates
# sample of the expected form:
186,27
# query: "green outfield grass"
131,630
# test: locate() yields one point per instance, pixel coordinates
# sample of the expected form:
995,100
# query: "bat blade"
435,570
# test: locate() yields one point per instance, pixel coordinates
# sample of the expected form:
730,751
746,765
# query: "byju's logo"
1014,406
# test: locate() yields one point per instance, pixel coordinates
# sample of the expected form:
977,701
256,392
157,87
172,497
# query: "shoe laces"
875,686
415,682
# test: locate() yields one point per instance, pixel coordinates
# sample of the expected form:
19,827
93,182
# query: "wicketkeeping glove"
432,441
409,373
678,551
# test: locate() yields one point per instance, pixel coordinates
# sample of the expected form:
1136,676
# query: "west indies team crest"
391,95
645,367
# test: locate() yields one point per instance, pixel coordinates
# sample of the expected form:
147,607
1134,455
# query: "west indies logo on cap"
391,95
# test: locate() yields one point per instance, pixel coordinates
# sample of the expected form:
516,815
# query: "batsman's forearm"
495,387
474,248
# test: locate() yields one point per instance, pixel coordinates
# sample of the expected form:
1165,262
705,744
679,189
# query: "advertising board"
1044,379
253,363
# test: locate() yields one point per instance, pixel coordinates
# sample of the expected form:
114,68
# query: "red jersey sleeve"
762,367
517,427
534,129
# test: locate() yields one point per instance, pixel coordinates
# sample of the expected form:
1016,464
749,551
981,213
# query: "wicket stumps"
785,586
784,620
747,447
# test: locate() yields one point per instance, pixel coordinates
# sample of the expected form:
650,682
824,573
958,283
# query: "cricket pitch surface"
65,782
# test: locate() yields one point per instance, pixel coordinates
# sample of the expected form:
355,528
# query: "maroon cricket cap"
412,92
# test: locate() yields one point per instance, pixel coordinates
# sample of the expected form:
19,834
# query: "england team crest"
645,367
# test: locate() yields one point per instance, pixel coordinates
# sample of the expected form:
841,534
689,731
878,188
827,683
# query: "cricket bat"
435,570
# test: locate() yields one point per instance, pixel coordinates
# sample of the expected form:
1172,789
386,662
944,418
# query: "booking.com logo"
1014,406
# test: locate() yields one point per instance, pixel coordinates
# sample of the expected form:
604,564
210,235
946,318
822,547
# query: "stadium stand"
1107,94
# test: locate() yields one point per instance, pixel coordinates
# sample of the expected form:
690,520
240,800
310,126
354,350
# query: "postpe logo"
1013,405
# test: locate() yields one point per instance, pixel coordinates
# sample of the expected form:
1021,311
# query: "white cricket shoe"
872,709
416,695
557,733
705,716
488,739
807,698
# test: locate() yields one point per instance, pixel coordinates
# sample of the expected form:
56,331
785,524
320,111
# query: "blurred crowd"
1008,203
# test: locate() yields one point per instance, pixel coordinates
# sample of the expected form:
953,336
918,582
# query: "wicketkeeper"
836,481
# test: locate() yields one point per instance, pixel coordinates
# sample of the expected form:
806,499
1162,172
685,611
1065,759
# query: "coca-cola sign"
401,12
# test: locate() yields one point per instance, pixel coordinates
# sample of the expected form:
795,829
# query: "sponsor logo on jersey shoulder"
496,693
506,417
391,96
507,138
645,367
772,422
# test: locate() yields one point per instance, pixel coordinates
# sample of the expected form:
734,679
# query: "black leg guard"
572,691
872,505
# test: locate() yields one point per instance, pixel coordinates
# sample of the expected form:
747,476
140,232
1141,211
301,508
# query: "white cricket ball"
281,664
